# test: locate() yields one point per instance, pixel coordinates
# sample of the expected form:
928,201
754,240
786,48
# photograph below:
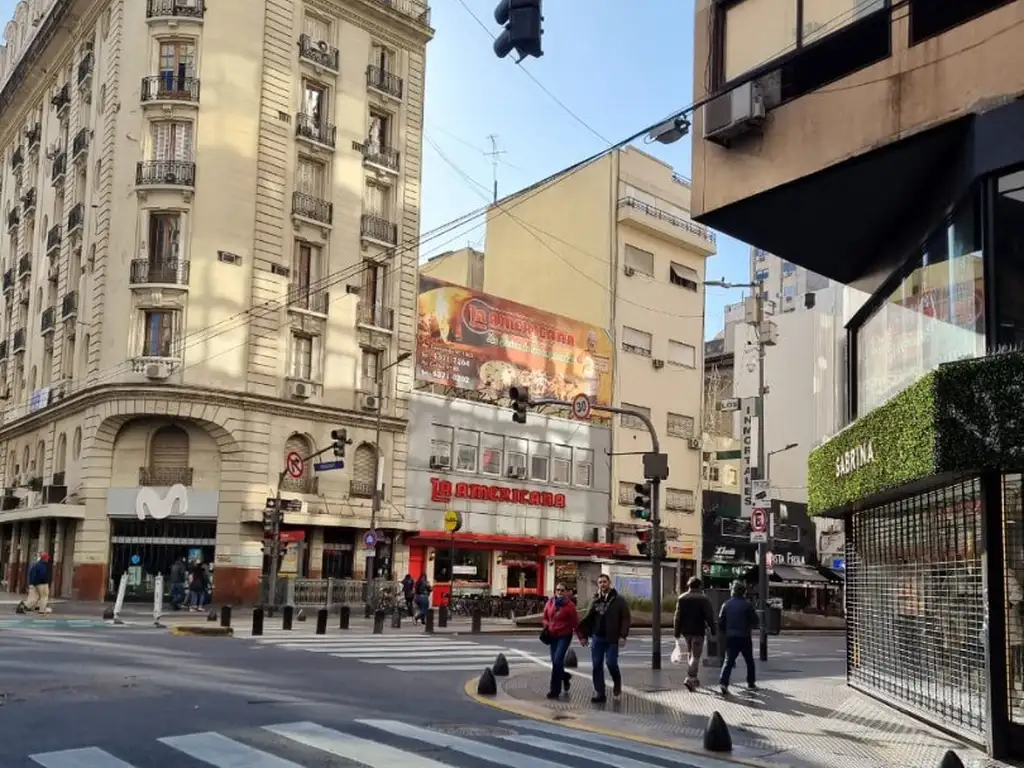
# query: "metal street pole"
275,541
762,548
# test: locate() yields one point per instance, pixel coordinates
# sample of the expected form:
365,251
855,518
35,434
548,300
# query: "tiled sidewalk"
802,716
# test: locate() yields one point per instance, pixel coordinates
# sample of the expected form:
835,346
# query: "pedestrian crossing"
408,653
37,623
381,744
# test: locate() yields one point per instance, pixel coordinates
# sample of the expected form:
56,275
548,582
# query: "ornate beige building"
209,257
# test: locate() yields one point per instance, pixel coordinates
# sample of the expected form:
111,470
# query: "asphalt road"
123,697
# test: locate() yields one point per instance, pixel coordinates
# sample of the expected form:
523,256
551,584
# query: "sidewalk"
804,716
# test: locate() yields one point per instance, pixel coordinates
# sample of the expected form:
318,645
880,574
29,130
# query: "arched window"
364,463
60,456
303,446
25,459
37,470
12,467
168,458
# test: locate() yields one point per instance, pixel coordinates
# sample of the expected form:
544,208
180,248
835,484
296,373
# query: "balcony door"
375,292
382,58
379,133
314,108
172,142
163,247
377,201
177,65
306,273
309,178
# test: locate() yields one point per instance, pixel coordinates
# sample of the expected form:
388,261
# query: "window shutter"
161,135
183,142
317,29
300,445
169,449
363,464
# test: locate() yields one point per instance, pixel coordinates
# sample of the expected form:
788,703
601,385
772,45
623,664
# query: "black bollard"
487,685
286,617
716,735
225,616
345,616
321,621
396,619
442,616
500,666
257,622
477,620
367,611
428,622
378,622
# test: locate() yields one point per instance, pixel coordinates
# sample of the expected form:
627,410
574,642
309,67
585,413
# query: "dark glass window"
1008,223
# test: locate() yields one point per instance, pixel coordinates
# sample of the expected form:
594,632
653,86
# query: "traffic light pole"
655,470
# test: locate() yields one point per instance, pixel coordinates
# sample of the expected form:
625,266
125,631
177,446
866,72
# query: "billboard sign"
474,341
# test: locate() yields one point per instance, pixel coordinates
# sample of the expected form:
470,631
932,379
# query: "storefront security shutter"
915,605
169,449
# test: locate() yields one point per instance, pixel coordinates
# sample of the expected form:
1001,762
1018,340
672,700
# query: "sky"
613,72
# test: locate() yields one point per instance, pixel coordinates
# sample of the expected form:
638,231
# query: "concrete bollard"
951,760
378,622
345,615
716,734
225,615
257,622
477,622
286,617
442,616
428,622
321,621
396,619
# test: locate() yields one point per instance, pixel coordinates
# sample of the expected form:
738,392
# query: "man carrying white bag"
695,618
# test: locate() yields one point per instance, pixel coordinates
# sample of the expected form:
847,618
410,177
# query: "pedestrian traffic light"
642,501
520,397
644,539
658,543
340,438
521,20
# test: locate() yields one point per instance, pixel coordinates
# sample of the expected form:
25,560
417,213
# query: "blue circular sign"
136,559
370,539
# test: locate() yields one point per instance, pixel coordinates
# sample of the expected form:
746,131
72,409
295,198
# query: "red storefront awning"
515,543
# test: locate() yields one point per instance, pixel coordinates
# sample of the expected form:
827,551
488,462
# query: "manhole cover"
474,731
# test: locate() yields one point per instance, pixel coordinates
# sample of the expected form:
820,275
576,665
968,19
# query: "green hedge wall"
902,432
979,413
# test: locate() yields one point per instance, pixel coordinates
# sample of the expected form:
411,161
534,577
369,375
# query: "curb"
573,722
198,630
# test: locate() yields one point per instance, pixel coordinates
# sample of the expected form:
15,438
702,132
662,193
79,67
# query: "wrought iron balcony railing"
312,129
25,265
47,319
360,489
306,485
34,135
59,168
14,217
28,200
176,173
376,315
159,272
76,216
169,87
17,159
308,298
384,81
311,207
85,68
158,9
62,99
18,341
319,52
376,227
69,305
386,157
80,143
669,218
9,280
53,238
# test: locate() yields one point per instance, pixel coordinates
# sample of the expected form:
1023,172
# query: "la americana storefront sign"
442,491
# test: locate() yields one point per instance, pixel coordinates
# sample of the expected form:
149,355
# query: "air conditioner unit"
629,271
157,371
323,46
302,389
369,402
734,114
695,443
439,462
53,150
517,473
658,364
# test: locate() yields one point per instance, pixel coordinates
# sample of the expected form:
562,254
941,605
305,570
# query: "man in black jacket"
694,618
605,628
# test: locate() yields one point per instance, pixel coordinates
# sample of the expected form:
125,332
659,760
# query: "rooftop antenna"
494,154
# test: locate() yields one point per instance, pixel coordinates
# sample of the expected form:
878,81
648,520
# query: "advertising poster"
474,341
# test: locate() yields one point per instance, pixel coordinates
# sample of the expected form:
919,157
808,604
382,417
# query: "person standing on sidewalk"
199,582
560,620
694,618
737,622
179,575
39,576
605,629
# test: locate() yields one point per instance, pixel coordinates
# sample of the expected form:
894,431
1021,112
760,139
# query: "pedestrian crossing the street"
381,744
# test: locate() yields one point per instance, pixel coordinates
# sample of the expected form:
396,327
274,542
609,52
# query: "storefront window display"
935,315
141,549
916,606
470,569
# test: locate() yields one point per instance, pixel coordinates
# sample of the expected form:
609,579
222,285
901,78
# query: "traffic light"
644,542
520,397
659,544
340,438
642,501
521,20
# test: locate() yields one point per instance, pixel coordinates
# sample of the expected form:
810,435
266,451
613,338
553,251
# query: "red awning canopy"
515,543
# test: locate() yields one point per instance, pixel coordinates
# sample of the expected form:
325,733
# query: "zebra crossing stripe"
88,757
222,752
362,751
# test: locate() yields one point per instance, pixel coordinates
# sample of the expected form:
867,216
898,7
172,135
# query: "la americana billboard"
471,340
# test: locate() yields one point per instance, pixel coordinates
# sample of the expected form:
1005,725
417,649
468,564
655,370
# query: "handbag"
545,636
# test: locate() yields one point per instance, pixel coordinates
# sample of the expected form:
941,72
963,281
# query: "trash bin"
774,623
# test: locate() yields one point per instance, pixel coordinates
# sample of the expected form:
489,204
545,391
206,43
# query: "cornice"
98,395
375,17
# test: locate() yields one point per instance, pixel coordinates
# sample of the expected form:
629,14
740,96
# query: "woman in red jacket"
560,622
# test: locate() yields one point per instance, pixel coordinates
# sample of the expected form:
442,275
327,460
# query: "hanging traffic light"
520,397
522,30
658,544
644,541
642,501
340,438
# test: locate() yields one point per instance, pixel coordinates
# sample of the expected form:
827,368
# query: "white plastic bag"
677,654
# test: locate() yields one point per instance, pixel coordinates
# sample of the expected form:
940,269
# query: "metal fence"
331,593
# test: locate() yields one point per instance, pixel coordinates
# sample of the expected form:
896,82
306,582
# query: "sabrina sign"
443,491
849,462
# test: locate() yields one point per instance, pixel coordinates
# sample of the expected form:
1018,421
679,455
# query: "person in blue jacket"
736,622
39,577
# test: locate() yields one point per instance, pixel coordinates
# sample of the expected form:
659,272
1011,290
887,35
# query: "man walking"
694,617
39,576
605,628
179,576
736,622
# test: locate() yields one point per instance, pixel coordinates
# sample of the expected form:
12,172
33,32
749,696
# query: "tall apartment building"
914,110
202,203
613,245
791,287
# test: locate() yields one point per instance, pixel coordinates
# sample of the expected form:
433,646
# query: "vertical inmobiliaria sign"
474,341
748,444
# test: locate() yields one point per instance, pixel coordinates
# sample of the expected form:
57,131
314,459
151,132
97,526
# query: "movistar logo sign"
148,502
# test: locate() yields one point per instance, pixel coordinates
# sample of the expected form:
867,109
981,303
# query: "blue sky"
616,71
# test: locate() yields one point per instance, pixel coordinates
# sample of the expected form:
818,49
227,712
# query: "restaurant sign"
442,491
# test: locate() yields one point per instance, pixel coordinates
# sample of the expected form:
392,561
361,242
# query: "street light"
375,509
768,459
